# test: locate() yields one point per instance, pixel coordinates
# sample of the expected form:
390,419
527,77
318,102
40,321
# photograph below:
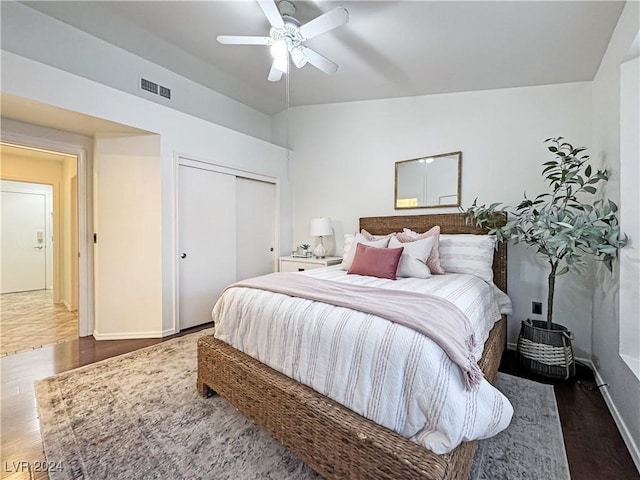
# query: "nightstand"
300,264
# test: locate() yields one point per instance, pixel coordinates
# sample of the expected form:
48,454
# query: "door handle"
183,255
271,249
39,247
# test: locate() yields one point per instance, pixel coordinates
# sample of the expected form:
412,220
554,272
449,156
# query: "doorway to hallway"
39,248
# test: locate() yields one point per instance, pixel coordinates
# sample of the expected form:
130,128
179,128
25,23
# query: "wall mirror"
428,182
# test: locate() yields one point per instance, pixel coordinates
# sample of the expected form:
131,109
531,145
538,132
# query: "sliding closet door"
206,241
255,207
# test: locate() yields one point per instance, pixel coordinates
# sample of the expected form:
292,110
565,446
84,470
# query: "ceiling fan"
286,37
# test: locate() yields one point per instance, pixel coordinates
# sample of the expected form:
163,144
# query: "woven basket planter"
546,352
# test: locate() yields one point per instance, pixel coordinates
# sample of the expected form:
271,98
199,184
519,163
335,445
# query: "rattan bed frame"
333,440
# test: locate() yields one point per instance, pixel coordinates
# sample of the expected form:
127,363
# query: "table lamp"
320,227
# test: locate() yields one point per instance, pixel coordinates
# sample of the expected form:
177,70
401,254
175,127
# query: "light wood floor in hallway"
31,320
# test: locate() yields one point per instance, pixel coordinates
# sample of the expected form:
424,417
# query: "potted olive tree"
564,225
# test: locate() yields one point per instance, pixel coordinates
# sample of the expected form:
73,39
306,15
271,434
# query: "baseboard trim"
133,335
634,451
168,332
68,306
126,335
633,448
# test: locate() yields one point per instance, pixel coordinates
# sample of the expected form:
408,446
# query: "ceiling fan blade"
299,60
274,75
325,22
318,61
272,13
243,40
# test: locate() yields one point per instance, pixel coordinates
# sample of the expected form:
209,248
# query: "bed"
330,438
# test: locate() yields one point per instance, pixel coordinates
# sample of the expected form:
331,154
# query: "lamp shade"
321,226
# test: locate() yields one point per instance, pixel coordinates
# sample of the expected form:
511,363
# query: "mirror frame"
459,185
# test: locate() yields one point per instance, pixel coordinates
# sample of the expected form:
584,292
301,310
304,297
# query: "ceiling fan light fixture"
280,53
287,35
299,60
281,64
279,49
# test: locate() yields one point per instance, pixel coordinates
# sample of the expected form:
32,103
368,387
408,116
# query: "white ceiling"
388,48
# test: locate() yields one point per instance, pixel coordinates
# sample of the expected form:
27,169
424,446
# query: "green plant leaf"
566,223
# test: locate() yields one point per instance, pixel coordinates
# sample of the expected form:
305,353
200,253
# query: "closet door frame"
203,164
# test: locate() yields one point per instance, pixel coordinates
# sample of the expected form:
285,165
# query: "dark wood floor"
594,446
595,449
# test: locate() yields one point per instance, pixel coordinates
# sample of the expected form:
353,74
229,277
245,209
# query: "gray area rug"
138,416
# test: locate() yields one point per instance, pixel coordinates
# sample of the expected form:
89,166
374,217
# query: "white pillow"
413,262
466,253
348,245
370,237
348,241
359,238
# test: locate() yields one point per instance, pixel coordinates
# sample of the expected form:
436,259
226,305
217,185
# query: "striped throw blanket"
432,316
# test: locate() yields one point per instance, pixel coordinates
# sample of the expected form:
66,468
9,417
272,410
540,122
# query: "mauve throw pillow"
376,262
433,262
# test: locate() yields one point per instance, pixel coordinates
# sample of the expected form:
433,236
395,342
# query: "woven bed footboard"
333,440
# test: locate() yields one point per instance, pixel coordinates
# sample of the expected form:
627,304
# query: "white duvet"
386,372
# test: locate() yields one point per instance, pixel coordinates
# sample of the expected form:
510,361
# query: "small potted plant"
304,250
564,225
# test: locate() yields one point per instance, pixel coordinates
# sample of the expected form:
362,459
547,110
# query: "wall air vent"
165,92
153,87
148,85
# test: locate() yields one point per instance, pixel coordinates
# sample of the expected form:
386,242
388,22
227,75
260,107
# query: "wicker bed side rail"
318,430
331,439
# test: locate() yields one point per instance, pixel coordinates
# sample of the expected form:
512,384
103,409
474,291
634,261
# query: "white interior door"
255,207
206,241
23,241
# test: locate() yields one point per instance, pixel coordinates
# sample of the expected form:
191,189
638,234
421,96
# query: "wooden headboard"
449,223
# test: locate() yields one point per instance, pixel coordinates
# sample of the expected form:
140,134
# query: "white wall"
630,212
179,133
623,387
128,224
34,35
344,156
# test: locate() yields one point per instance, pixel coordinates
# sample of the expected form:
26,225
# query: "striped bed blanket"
383,370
